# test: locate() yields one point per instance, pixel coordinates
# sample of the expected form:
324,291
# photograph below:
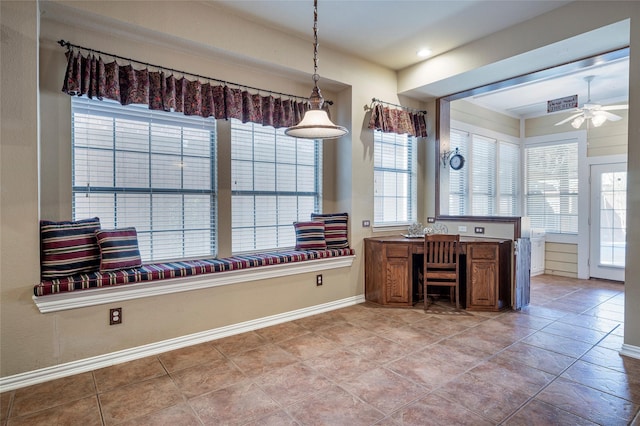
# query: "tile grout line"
553,320
97,395
557,376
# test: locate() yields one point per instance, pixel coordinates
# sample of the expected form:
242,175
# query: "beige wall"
169,33
19,195
632,270
561,259
484,118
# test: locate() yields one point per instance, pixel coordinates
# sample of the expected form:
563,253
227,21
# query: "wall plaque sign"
560,104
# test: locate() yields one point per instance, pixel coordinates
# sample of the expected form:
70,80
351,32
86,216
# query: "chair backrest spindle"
438,251
441,253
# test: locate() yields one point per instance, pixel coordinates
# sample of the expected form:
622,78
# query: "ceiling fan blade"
613,107
571,117
610,117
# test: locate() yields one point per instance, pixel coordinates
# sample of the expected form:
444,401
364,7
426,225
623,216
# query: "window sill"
99,296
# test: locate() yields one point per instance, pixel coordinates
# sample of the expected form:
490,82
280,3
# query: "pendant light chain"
315,77
315,100
316,123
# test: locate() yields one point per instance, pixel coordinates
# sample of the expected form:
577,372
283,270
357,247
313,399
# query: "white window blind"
483,176
508,179
487,185
276,181
551,186
459,201
152,170
395,192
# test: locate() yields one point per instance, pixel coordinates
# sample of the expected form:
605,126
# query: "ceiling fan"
595,113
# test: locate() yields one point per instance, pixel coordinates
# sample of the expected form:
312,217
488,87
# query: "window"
394,171
487,185
458,179
508,179
484,163
275,180
551,186
151,170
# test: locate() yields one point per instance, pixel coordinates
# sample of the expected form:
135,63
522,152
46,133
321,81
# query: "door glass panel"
613,189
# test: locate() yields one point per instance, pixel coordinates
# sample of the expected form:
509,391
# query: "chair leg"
424,295
454,294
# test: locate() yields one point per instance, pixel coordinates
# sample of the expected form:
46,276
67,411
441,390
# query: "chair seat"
441,275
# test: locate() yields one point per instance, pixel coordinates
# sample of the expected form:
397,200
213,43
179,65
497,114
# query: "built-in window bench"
155,279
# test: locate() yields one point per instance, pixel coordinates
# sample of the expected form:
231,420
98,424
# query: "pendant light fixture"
316,123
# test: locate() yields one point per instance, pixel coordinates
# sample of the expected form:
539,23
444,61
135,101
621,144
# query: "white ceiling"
390,32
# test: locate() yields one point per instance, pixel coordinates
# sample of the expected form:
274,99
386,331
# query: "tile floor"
555,363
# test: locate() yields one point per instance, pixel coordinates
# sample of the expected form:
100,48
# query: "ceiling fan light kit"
598,120
595,114
577,122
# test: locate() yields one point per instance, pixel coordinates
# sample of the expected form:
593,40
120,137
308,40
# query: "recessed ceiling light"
423,53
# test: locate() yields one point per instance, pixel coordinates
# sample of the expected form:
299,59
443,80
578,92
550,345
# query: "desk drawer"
485,252
397,250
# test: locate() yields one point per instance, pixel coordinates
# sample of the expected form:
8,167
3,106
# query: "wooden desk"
392,265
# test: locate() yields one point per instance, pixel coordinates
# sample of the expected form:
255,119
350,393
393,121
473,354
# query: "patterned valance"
397,119
89,75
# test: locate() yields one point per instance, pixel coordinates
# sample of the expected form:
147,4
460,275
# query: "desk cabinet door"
482,276
397,280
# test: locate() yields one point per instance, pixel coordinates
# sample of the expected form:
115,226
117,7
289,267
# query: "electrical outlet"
319,279
431,220
366,223
462,228
115,316
479,230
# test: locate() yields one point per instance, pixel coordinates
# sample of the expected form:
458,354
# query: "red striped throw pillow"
68,248
310,235
118,249
335,229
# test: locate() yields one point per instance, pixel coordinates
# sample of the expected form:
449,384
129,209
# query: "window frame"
284,222
138,113
410,171
582,237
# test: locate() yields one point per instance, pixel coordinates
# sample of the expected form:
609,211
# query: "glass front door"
608,221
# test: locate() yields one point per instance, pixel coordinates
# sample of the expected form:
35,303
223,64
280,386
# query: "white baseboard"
88,364
630,351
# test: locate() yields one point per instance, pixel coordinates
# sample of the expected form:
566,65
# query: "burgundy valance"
90,76
398,120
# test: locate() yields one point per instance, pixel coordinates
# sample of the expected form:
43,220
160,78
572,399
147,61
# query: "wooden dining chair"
441,265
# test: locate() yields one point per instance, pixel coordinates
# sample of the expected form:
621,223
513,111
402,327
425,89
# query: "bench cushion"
160,271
